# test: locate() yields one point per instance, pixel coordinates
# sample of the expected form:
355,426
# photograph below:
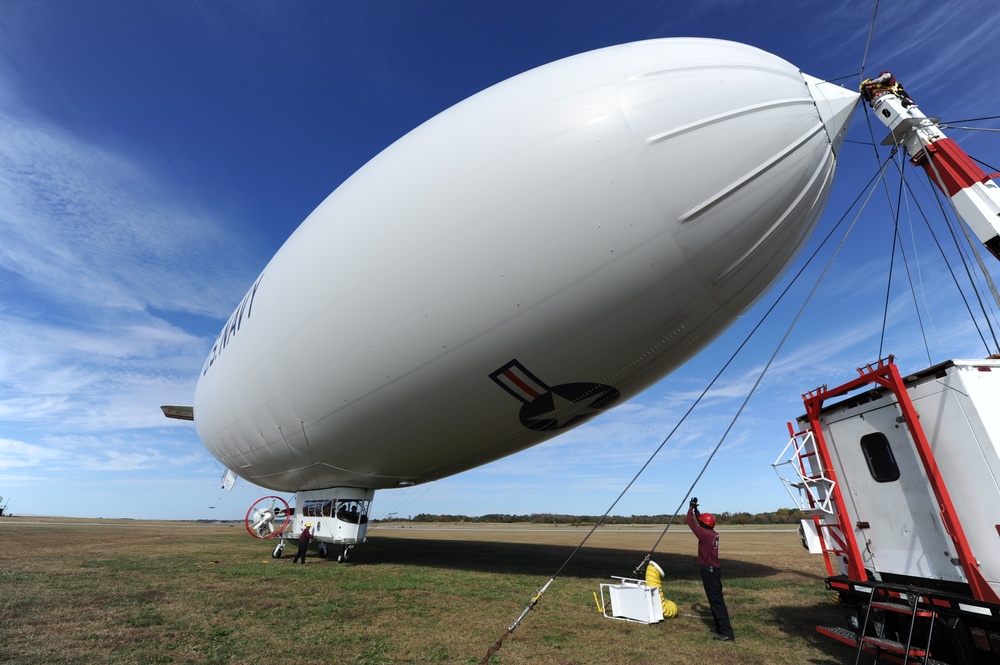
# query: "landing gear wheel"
276,554
323,551
342,558
261,518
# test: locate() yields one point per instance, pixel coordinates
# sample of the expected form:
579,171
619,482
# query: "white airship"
526,259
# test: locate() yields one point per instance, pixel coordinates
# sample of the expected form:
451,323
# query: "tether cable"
972,245
841,78
988,117
982,163
879,174
896,238
971,129
534,601
871,31
909,278
892,262
947,263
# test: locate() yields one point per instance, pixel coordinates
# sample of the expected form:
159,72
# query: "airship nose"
836,108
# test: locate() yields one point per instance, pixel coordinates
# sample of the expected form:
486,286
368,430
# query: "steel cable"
496,646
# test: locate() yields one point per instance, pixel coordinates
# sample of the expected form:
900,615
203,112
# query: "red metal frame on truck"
885,374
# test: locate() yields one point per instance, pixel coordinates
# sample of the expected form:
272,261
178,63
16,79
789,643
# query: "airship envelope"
523,261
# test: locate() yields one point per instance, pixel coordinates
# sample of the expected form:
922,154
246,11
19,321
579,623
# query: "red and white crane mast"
974,194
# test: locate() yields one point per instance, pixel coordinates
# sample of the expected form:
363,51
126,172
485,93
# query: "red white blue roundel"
544,408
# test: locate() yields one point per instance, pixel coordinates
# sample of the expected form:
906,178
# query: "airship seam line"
750,176
366,475
729,115
825,168
712,66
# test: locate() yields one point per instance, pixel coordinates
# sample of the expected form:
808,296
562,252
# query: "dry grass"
77,591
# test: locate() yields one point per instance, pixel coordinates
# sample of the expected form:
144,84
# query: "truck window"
878,454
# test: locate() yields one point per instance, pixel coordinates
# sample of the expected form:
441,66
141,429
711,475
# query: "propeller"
260,520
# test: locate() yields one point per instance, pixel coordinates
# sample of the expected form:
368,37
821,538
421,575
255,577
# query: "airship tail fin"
178,412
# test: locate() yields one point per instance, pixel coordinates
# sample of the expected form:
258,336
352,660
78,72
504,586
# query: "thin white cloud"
93,376
953,33
20,455
106,452
92,245
85,226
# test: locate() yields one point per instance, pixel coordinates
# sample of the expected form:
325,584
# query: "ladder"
896,599
814,493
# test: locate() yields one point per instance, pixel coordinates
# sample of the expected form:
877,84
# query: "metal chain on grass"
512,627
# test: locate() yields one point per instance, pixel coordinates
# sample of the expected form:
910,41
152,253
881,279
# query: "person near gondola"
304,539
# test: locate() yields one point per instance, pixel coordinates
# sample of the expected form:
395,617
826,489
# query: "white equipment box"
632,600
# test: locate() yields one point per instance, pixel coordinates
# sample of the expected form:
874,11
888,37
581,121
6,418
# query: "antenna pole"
974,194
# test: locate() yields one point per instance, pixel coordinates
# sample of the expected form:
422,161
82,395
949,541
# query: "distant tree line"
780,516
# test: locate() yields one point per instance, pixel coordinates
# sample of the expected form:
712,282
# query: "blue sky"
154,155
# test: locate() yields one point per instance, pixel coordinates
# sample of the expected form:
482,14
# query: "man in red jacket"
703,526
304,539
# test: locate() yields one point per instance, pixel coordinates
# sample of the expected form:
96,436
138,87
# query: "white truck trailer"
902,480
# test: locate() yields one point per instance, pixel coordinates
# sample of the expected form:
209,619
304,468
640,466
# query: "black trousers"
711,577
303,545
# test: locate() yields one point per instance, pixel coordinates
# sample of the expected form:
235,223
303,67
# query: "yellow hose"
654,575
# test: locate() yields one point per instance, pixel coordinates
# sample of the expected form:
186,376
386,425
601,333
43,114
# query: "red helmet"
707,519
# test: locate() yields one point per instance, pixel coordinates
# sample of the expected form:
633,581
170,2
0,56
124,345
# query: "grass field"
106,591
